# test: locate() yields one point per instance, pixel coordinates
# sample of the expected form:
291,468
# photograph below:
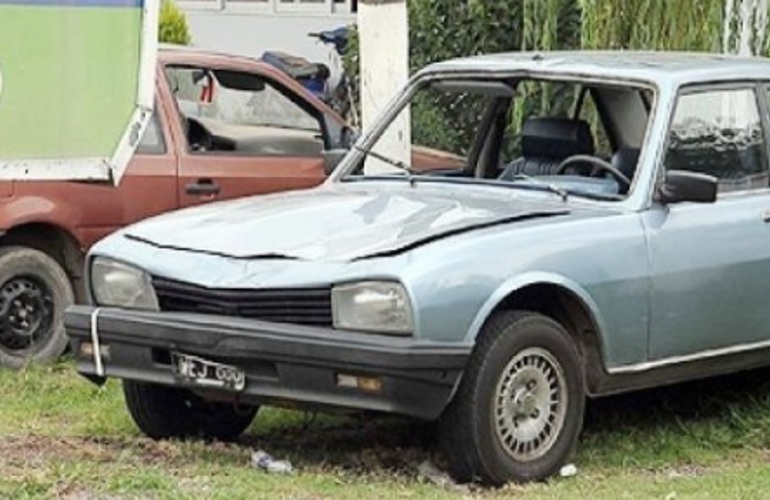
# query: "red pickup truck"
223,127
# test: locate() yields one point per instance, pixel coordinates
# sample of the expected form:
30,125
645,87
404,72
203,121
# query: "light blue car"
590,223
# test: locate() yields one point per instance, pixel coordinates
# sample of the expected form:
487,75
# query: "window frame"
162,148
278,86
762,110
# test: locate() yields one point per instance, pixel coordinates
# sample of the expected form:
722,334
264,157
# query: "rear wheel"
163,412
519,408
34,292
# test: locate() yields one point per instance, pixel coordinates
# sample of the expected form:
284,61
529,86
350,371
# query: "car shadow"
370,443
701,399
363,443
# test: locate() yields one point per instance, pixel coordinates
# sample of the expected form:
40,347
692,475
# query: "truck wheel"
163,412
519,408
34,292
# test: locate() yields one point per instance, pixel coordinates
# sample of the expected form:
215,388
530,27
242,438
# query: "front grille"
303,306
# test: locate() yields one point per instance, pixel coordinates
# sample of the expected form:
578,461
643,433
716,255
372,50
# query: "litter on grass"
262,460
568,470
428,470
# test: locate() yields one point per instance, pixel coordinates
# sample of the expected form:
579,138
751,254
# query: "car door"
245,134
710,262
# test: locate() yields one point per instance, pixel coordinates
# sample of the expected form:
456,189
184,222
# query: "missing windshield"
563,137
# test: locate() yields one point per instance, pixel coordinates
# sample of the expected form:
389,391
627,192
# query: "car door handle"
202,187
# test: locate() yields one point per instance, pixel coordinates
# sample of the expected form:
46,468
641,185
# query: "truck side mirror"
683,185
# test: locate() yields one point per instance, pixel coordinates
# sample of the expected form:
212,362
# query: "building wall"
250,27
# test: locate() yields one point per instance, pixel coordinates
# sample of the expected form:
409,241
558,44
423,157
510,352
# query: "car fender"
39,210
521,281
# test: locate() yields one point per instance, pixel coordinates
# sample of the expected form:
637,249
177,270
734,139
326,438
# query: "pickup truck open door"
77,82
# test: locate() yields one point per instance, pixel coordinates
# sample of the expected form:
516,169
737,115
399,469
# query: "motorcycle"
316,77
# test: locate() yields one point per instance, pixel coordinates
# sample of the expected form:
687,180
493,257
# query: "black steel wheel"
519,408
34,292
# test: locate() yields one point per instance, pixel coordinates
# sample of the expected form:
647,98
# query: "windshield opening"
565,137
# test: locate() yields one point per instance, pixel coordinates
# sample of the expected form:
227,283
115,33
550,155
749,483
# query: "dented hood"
343,223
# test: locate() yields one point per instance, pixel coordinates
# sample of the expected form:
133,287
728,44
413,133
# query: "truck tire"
519,407
34,292
163,412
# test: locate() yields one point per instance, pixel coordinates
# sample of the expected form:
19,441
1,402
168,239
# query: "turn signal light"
369,384
87,350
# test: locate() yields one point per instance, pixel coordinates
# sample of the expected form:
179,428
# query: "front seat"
625,160
546,142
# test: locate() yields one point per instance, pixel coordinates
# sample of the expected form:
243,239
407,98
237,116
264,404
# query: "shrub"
172,26
654,24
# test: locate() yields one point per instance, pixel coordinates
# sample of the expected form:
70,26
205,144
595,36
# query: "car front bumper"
284,364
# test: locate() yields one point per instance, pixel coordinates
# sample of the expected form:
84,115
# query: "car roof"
169,51
657,68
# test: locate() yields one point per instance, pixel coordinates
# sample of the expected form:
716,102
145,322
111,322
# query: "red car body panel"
156,183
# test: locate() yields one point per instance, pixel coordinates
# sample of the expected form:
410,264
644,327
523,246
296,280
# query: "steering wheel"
598,165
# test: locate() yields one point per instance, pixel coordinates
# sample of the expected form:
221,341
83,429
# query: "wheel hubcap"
530,404
26,314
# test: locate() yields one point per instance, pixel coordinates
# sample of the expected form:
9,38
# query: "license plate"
199,371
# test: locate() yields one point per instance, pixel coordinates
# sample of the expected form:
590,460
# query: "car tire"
34,292
519,408
163,412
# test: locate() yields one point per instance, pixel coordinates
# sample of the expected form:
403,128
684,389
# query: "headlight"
120,285
375,306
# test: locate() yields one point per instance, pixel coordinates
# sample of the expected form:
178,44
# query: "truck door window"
231,112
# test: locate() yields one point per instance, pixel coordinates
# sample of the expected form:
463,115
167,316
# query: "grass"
61,437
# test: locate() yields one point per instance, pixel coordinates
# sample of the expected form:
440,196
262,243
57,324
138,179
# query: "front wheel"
34,292
163,412
519,408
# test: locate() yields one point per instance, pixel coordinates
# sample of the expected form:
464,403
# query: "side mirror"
683,185
332,158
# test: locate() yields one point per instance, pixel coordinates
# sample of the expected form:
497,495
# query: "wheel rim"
530,404
26,314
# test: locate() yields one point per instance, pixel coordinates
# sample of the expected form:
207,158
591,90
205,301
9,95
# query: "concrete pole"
383,30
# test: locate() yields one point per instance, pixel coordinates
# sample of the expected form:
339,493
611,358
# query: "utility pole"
383,30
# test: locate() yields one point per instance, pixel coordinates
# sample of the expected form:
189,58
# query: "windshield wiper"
548,186
403,166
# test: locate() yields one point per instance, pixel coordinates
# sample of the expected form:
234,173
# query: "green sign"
76,76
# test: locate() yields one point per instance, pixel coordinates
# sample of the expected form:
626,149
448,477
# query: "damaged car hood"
343,223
